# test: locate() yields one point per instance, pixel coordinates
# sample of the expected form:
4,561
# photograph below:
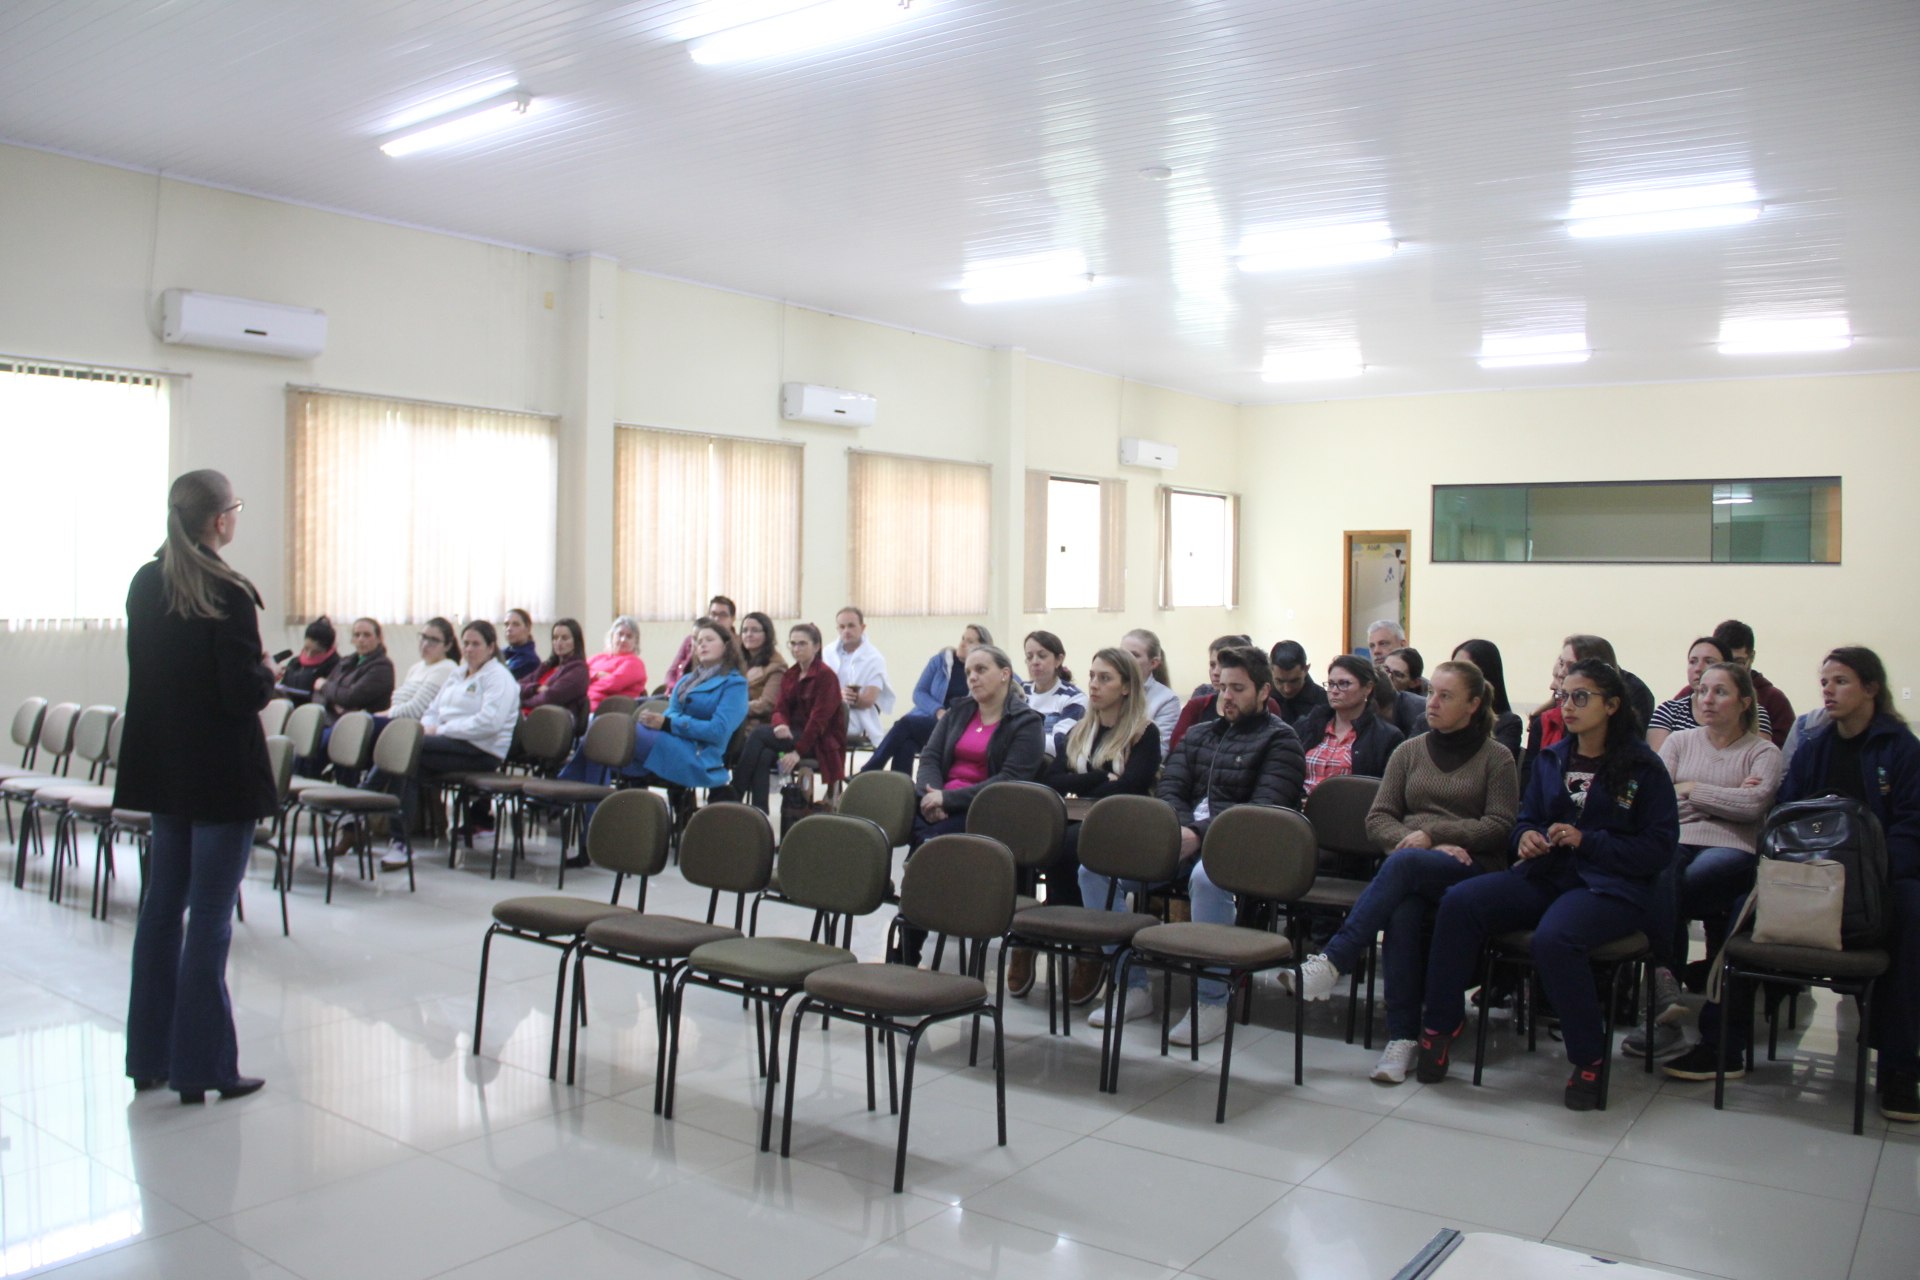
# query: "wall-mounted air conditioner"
240,324
829,406
1135,452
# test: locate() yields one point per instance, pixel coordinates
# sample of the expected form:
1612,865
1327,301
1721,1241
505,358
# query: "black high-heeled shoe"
150,1084
238,1088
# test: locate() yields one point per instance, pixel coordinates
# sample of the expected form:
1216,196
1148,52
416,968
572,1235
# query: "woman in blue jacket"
1598,824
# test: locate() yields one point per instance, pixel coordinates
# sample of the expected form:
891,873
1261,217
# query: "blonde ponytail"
192,577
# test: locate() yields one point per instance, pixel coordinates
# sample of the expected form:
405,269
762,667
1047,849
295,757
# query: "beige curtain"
1113,546
1034,561
696,516
1163,519
919,536
401,510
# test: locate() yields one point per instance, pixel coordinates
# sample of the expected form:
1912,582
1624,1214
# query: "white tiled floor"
383,1147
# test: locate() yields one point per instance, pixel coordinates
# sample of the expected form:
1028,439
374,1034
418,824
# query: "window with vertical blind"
401,510
1199,549
1076,543
919,535
697,516
87,451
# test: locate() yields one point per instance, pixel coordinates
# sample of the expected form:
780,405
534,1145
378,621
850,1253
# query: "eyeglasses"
237,506
1341,686
1580,697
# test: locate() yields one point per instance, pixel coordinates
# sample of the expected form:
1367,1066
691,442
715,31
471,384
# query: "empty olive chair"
1338,811
86,739
349,752
628,836
885,799
25,732
396,754
1127,838
303,727
609,743
829,863
75,802
1031,820
273,716
961,886
50,752
1265,857
543,739
619,705
726,848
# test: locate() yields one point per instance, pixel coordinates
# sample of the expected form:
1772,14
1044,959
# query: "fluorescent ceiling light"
1034,275
1731,502
1287,248
448,103
1313,365
1525,350
1626,213
460,125
1774,337
799,31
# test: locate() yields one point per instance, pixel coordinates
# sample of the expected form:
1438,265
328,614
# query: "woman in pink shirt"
619,671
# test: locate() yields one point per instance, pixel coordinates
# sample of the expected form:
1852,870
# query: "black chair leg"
480,998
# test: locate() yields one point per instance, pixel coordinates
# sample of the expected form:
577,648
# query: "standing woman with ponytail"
193,756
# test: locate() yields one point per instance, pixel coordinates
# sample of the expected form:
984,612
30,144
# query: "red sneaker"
1436,1052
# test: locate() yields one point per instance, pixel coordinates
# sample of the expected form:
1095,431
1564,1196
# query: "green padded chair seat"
553,914
563,791
296,786
1332,891
776,962
895,989
1217,944
493,783
77,796
135,820
1631,947
97,803
655,937
32,783
1080,924
351,800
1021,902
8,772
1815,962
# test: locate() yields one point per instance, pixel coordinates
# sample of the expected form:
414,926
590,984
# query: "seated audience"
468,726
943,682
1204,704
519,655
1247,756
809,723
1345,736
1725,773
1293,688
1443,814
862,672
766,668
1407,669
1676,713
1383,637
1581,648
990,735
364,679
1163,704
719,609
1049,685
1776,711
562,680
424,678
317,659
1406,712
1598,824
1865,752
1485,654
619,671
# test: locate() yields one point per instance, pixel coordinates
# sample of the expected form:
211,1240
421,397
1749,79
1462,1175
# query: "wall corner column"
585,543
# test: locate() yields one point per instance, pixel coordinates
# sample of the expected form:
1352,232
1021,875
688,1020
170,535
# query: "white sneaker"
396,857
1668,1008
1395,1061
1318,977
1137,1004
1213,1025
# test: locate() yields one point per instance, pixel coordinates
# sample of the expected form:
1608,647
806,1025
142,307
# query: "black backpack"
1844,831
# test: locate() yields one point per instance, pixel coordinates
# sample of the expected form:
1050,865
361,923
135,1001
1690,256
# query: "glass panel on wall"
1772,521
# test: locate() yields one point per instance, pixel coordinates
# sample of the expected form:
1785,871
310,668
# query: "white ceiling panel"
865,178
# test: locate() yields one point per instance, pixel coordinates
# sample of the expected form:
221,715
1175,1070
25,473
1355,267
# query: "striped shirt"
1676,715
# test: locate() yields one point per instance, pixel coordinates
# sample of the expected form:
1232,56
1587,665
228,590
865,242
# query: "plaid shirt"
1331,757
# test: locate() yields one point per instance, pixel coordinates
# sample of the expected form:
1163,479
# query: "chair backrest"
351,744
56,732
884,798
654,704
1338,811
831,862
609,739
961,885
273,716
546,737
114,737
629,832
728,847
303,727
91,731
617,705
26,726
1131,838
1264,853
1027,817
396,753
280,760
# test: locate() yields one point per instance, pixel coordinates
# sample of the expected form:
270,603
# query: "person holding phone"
862,671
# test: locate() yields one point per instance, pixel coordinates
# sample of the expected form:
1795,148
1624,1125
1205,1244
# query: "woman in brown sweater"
1444,811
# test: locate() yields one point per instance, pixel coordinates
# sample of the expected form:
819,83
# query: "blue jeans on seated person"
581,769
903,743
1210,905
1701,883
1401,899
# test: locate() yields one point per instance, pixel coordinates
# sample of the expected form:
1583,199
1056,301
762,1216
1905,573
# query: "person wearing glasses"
1294,688
1345,736
1407,669
521,656
1582,648
424,678
1599,823
468,729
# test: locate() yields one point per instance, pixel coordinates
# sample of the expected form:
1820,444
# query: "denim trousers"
903,743
1703,882
1400,899
179,1018
1210,904
1568,921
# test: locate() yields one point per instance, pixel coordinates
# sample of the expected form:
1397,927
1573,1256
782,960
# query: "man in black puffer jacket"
1247,756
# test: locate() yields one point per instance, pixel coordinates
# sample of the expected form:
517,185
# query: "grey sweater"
1473,807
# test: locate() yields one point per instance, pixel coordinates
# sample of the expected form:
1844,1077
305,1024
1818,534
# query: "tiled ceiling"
864,179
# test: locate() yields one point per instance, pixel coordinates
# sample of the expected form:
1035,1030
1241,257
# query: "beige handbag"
1793,904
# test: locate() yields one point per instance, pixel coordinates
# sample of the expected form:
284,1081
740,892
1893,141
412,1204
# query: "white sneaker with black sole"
396,858
1668,1040
1667,1006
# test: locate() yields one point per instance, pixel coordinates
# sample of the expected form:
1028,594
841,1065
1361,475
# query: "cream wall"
1371,464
